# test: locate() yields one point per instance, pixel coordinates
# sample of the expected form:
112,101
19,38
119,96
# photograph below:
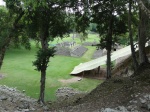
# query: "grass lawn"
91,38
20,73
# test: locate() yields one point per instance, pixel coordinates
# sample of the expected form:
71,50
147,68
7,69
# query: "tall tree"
15,13
109,17
143,29
82,18
143,7
135,63
46,20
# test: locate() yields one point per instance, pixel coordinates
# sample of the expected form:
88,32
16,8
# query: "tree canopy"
45,20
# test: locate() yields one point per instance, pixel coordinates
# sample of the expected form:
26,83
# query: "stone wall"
78,51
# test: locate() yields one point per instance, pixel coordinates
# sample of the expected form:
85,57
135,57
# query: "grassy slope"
20,73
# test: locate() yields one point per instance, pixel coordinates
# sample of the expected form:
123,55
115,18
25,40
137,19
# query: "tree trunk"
143,7
109,45
44,45
108,64
142,36
42,87
135,63
2,54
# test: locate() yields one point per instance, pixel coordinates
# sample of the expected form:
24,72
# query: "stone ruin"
101,52
70,49
90,43
66,44
66,92
78,51
65,51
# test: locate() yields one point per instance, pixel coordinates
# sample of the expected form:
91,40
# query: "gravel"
13,100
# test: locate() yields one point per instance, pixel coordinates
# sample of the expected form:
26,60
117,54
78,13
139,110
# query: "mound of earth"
97,54
90,43
78,51
13,100
119,94
65,51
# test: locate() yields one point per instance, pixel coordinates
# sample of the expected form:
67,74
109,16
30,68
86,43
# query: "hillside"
118,94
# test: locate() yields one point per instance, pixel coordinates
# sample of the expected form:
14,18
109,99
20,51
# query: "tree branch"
143,7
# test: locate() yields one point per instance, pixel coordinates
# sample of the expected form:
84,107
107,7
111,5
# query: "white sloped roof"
101,61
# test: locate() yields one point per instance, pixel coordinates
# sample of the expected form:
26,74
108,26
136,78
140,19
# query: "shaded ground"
119,91
12,100
93,74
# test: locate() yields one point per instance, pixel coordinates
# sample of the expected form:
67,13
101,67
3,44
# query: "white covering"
101,61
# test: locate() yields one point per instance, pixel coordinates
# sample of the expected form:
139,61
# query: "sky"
2,2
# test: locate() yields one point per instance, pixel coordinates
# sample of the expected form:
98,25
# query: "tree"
92,27
143,7
142,37
109,17
9,25
4,21
46,20
135,63
82,18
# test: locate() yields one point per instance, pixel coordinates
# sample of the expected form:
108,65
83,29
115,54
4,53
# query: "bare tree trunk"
2,54
42,87
142,37
108,64
135,63
44,44
109,45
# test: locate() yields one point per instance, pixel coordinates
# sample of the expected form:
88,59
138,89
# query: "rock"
131,108
3,98
45,108
148,106
133,101
21,106
16,101
122,109
108,110
23,91
32,109
25,110
144,106
143,101
117,109
80,79
147,97
65,93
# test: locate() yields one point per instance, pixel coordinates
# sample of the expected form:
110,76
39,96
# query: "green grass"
91,38
89,53
20,73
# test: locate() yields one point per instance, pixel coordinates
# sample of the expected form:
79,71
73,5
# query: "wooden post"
83,74
99,70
